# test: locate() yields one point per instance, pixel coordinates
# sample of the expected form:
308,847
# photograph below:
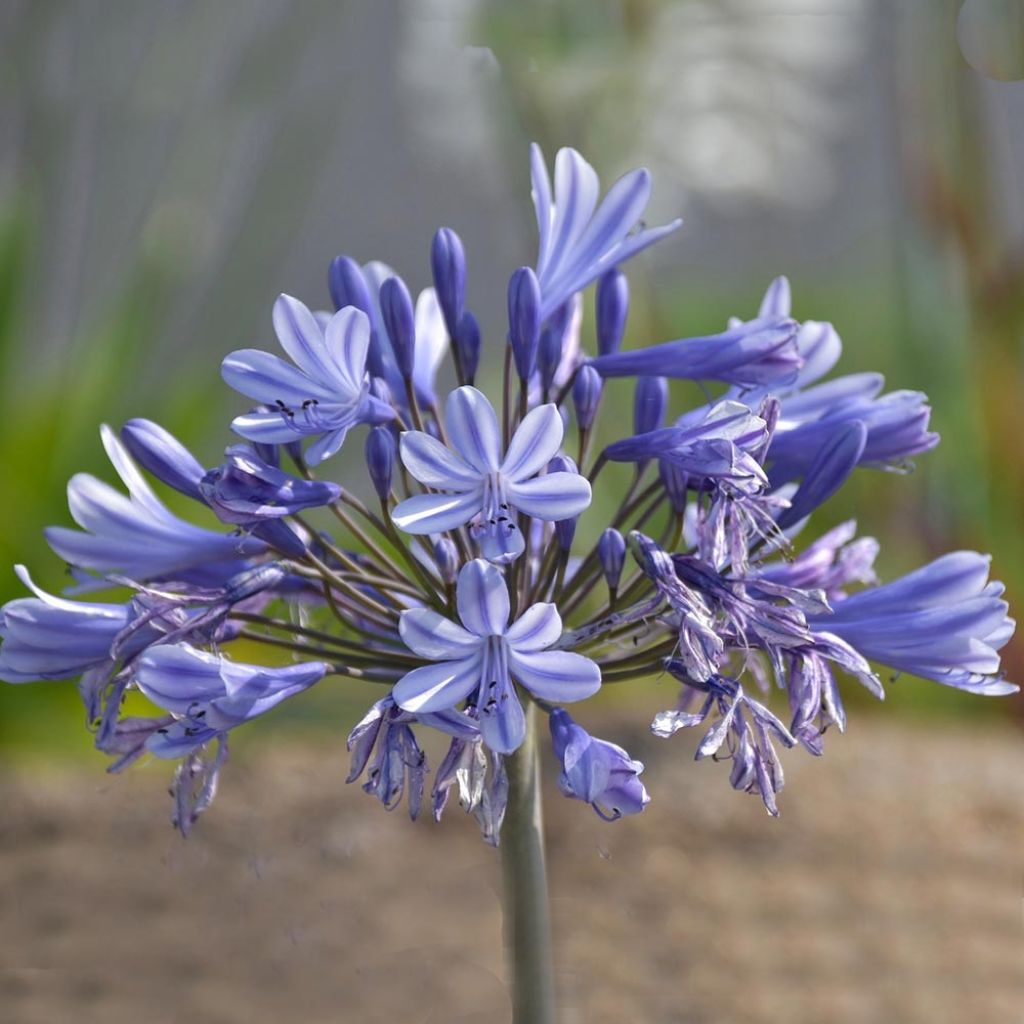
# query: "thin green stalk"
527,919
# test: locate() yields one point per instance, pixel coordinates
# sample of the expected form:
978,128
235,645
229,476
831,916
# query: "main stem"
527,922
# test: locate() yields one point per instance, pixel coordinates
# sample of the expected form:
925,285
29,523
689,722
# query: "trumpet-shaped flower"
479,659
580,240
323,395
944,621
480,485
208,695
138,536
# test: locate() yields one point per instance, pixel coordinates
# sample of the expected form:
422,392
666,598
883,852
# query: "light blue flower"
208,695
479,659
139,537
580,240
944,621
479,484
600,773
323,395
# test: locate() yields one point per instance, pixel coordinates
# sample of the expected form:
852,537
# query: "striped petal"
437,687
435,513
560,676
431,635
482,598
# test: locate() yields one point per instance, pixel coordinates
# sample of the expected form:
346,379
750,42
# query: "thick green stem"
527,922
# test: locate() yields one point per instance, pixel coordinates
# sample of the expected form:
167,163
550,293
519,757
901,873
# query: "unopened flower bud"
611,550
612,308
649,404
586,396
467,342
448,263
347,285
524,320
381,451
446,554
400,321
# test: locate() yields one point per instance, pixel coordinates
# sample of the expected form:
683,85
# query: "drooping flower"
743,730
481,659
139,537
47,637
481,486
944,621
596,771
324,394
400,764
208,695
580,240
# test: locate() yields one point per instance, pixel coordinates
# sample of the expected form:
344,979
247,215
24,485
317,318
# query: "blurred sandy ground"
889,891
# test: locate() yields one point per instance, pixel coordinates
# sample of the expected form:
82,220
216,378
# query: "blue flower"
139,538
580,240
479,659
596,771
323,395
945,621
47,637
480,484
248,492
208,695
715,448
758,352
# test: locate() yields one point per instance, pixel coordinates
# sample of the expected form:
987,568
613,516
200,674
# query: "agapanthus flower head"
478,570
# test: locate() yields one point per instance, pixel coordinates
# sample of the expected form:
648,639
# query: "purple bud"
446,554
400,321
649,404
565,529
675,482
467,341
380,460
448,263
347,285
163,455
524,320
552,343
611,550
586,395
612,308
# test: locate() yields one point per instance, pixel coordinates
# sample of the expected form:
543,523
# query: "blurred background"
166,168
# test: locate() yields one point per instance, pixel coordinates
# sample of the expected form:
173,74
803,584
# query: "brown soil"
889,891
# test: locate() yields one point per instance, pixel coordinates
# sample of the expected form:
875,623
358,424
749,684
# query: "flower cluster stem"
527,920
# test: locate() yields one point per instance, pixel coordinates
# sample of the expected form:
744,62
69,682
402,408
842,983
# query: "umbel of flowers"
452,576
